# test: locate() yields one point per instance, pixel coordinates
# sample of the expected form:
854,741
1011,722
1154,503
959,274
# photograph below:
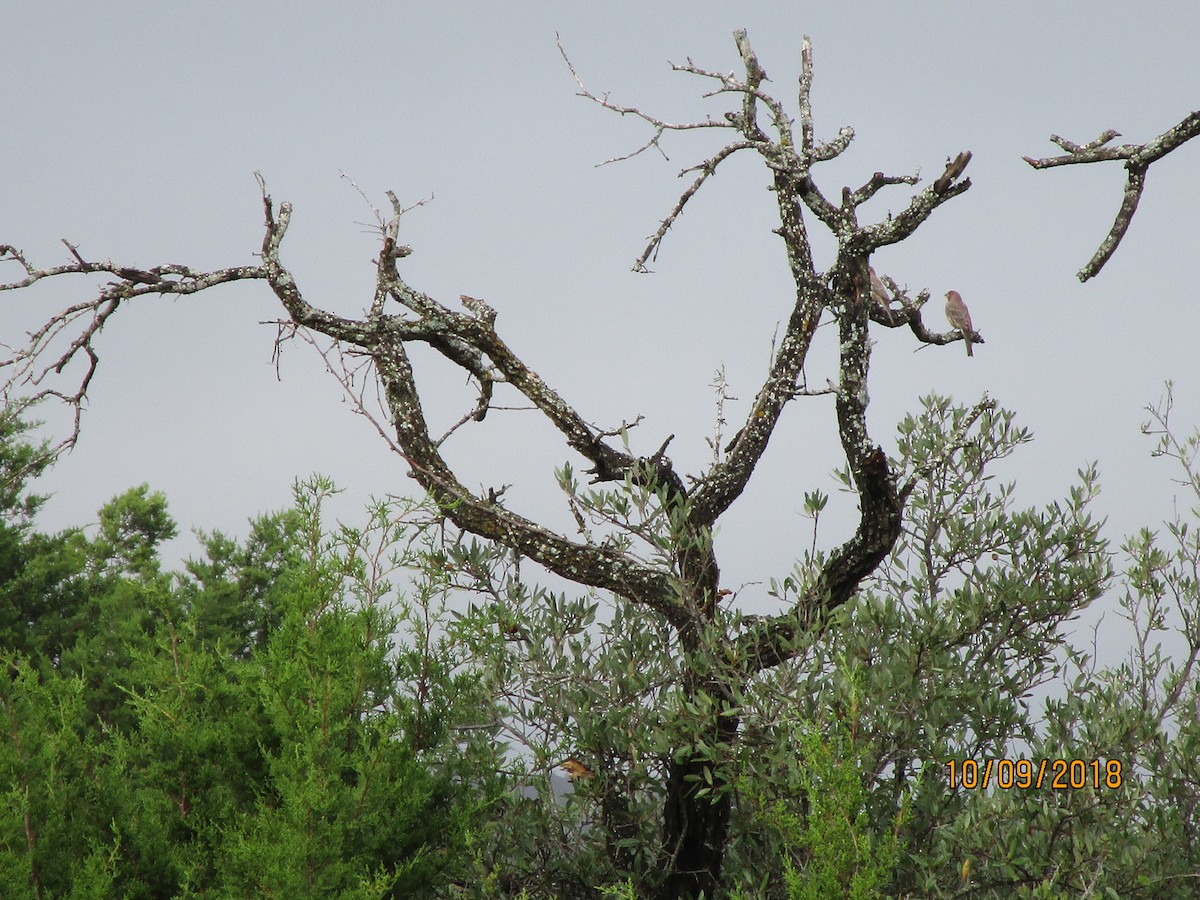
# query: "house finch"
878,289
959,317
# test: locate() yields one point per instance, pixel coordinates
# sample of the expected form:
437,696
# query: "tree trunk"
695,827
694,832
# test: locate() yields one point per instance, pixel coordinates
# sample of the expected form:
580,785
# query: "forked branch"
1137,157
32,367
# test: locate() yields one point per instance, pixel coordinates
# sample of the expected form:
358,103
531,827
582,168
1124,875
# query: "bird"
878,290
959,317
575,769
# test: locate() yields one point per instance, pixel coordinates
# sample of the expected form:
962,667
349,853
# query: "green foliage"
831,850
952,636
175,747
20,463
279,719
39,595
839,768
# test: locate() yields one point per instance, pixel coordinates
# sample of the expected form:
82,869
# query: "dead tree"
687,593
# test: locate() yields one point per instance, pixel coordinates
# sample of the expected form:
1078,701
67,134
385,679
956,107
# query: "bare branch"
750,93
919,208
1138,158
600,567
1134,185
872,187
795,190
1076,153
31,365
954,169
707,168
660,125
909,313
467,340
771,640
805,98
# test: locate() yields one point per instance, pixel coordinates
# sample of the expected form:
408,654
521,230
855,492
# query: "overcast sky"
133,130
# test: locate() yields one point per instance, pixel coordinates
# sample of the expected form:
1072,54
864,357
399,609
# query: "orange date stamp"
1056,774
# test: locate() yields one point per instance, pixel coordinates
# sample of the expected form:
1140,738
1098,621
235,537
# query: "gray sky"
133,129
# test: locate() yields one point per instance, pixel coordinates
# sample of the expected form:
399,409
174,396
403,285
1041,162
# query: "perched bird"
878,289
575,769
959,317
